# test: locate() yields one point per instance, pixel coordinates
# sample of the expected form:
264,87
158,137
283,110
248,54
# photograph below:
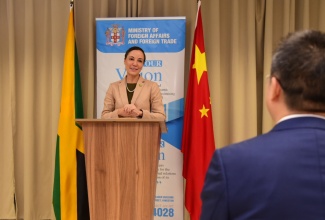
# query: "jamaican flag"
70,200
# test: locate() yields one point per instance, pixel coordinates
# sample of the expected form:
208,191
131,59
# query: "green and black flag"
70,199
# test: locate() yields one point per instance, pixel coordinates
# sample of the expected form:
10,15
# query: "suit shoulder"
249,144
149,83
116,83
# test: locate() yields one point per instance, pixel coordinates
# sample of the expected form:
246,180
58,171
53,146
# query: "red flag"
198,140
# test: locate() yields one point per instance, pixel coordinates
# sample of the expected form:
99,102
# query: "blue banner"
163,40
163,36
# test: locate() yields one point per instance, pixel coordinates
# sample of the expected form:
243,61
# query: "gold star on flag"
199,63
204,111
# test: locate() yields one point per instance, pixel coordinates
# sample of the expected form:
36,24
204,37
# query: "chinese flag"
198,140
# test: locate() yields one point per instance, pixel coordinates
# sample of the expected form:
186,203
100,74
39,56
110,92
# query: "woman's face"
134,62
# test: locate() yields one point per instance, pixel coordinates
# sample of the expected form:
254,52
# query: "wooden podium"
121,166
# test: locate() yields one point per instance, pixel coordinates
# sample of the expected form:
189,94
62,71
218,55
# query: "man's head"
298,67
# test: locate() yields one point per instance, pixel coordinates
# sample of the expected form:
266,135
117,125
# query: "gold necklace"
129,89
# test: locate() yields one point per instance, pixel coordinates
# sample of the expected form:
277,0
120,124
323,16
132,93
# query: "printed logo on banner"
153,36
115,35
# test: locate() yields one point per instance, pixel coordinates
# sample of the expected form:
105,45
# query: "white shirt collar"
299,116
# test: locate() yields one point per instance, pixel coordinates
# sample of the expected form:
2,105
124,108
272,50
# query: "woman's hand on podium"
130,110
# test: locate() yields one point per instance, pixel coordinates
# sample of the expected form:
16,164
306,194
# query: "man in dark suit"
279,175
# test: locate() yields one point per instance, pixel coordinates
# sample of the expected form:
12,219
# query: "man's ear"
275,89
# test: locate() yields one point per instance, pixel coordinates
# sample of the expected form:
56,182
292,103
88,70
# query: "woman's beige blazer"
147,96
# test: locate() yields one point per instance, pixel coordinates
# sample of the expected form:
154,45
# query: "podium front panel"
121,166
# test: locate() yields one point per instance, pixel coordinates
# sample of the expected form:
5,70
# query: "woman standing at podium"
133,96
